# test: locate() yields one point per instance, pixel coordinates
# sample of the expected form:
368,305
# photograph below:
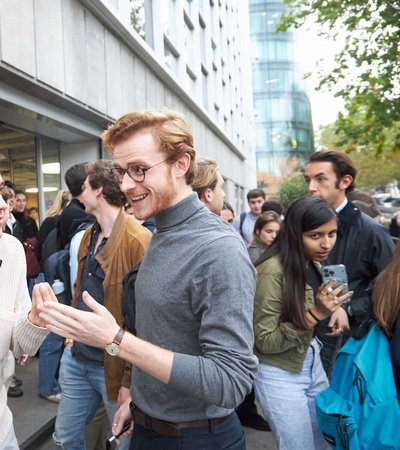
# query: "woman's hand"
329,300
41,292
339,322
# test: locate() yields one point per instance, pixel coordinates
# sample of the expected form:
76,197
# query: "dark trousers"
228,435
247,410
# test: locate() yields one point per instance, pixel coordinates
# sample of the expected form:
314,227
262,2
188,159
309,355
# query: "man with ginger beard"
192,358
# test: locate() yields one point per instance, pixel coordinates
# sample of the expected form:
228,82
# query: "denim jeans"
288,402
83,388
50,354
228,435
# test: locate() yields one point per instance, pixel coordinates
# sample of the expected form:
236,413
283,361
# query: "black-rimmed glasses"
136,173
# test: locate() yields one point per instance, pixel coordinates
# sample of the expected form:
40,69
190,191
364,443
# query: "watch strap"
118,337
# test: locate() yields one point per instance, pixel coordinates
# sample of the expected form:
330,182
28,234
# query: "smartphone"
336,272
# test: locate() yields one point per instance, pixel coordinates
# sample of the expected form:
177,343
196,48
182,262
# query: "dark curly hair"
101,174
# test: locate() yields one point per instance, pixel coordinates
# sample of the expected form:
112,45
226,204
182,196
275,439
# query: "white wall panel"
76,76
151,89
17,35
128,62
49,43
113,75
96,63
139,84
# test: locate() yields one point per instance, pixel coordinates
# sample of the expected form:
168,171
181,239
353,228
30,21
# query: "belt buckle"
177,430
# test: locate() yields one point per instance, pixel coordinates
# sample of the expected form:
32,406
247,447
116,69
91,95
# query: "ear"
345,182
207,196
182,165
99,191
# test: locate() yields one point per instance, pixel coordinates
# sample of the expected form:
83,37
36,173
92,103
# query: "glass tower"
282,115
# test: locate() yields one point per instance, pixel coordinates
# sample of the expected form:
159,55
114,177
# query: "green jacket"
277,343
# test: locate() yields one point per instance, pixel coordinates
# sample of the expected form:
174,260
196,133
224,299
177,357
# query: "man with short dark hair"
362,245
244,223
109,249
74,213
272,204
192,358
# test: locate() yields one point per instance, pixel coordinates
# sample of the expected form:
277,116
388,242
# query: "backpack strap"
242,219
129,299
363,328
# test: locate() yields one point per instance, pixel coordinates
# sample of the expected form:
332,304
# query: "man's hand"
122,416
123,394
96,328
40,291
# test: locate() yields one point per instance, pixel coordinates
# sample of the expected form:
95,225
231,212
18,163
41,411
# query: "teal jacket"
277,343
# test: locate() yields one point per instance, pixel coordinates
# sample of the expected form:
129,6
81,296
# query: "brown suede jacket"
124,249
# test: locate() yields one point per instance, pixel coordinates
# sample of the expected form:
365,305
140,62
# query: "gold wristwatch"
113,347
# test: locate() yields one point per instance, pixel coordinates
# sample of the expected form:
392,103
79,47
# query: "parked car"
388,205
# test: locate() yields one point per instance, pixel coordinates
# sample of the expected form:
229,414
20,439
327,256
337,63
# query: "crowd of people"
225,309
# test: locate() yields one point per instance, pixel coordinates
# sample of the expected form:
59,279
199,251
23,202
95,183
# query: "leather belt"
173,429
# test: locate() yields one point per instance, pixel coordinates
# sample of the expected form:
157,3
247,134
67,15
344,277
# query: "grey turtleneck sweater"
194,296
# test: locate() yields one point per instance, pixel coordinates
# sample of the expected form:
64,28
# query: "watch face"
112,349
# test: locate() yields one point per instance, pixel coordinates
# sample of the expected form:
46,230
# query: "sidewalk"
34,417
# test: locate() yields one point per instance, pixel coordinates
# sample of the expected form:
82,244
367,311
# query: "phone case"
337,272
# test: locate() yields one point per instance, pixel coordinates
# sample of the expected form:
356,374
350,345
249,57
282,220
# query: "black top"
29,227
365,248
16,231
48,225
72,215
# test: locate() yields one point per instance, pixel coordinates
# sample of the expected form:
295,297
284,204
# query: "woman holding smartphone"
290,300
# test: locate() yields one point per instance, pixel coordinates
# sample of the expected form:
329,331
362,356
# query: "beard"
161,199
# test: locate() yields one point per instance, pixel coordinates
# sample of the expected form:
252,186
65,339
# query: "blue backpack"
360,409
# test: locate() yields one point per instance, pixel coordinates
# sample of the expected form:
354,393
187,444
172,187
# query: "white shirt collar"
345,201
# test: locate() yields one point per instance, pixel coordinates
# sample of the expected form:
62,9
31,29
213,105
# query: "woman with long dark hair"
290,300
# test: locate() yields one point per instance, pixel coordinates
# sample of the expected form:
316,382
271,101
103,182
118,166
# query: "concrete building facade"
70,67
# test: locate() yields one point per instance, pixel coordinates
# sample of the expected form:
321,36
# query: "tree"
137,17
367,72
291,190
374,169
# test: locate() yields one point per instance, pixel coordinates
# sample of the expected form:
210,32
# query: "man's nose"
312,187
127,183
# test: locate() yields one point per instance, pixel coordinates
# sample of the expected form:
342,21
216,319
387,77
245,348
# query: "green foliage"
137,17
291,190
374,169
367,72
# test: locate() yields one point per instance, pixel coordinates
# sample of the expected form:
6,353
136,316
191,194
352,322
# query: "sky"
312,48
